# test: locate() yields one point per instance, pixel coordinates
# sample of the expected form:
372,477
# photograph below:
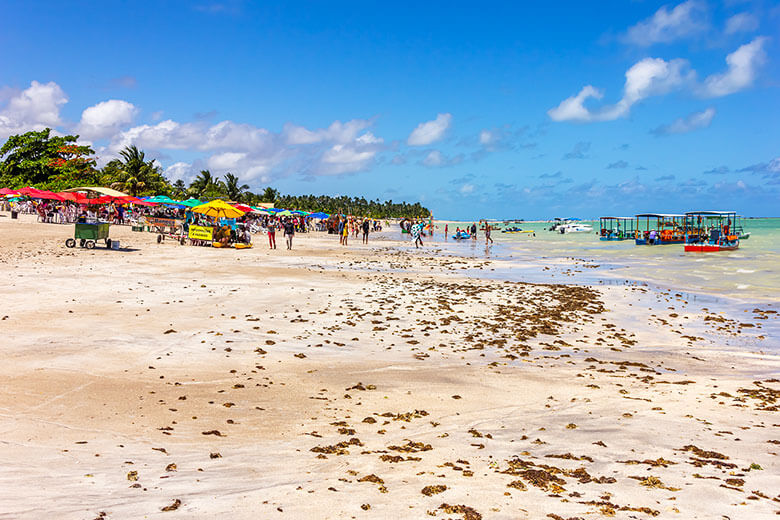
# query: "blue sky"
490,110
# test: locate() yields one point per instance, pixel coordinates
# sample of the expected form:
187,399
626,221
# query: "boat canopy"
713,213
617,218
660,215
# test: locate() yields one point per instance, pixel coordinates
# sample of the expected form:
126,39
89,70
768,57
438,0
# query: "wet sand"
167,381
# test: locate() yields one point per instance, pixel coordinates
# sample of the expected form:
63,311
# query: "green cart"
88,234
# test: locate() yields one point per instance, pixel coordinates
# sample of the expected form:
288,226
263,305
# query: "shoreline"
256,373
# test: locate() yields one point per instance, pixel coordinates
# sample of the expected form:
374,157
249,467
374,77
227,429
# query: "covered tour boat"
617,228
712,231
660,228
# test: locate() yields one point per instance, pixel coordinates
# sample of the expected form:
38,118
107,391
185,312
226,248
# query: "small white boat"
575,228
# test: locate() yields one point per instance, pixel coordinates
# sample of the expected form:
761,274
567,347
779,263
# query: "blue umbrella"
319,215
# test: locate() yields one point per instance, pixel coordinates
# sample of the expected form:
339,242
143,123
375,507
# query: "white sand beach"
168,381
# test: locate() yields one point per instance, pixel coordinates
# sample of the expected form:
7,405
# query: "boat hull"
657,242
709,248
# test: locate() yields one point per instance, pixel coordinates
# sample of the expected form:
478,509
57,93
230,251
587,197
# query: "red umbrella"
8,191
39,194
73,196
137,201
242,207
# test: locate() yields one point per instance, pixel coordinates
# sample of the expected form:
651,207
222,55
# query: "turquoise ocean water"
749,274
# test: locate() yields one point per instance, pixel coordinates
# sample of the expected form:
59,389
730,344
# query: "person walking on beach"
345,234
366,225
342,225
272,235
446,226
473,231
487,234
289,232
416,232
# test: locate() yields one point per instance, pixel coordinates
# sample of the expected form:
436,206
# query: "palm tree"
205,184
134,174
270,195
232,189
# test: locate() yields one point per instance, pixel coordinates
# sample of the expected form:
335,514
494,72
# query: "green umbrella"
161,199
285,213
190,203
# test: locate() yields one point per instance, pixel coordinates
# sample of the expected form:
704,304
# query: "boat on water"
574,227
569,225
700,223
660,229
716,242
462,235
617,228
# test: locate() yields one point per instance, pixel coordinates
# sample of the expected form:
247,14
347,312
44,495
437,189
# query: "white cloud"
573,108
665,26
430,131
742,22
743,66
434,158
687,124
350,157
467,188
34,108
180,171
106,118
648,77
337,132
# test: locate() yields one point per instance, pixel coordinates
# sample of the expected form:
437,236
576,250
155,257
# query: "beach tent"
218,208
99,189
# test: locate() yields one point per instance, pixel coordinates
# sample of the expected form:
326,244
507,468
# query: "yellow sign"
201,233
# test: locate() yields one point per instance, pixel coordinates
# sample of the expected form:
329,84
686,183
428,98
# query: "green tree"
206,185
38,159
233,191
179,189
269,195
135,175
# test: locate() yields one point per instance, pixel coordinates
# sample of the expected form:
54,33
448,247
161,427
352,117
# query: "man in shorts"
289,232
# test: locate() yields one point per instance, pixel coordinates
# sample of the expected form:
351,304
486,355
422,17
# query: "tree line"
56,163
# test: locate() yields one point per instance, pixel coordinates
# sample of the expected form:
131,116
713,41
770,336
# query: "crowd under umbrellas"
191,221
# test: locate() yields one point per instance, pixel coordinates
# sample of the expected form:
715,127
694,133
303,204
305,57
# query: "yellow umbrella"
218,208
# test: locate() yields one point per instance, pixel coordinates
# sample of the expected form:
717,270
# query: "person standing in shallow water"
365,225
473,231
487,233
289,232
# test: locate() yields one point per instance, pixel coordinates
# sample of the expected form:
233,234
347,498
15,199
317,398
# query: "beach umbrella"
39,194
161,199
218,208
299,212
243,207
190,203
319,215
74,196
8,191
285,213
